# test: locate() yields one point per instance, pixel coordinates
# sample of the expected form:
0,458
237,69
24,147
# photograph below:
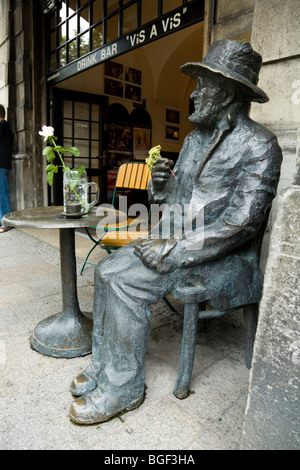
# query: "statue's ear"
231,115
230,95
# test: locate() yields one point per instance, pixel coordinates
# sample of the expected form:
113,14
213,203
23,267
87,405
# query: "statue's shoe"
99,406
86,381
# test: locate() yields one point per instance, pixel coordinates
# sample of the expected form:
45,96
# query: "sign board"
180,18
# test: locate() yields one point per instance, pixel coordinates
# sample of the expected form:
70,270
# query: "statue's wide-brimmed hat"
233,60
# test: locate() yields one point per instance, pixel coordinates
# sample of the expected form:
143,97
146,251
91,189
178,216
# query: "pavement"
35,397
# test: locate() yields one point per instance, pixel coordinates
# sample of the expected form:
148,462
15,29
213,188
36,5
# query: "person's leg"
124,290
5,205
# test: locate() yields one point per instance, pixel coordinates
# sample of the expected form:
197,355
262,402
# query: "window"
79,27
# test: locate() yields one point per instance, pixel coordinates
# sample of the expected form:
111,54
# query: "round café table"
69,333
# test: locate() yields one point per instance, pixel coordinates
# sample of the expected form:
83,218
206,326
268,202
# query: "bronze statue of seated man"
228,164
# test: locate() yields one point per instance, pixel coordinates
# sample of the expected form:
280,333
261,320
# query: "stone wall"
4,52
23,93
233,20
276,36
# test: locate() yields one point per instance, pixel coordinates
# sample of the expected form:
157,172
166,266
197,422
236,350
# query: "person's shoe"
99,406
4,228
86,381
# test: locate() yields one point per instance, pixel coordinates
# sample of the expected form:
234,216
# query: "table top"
53,217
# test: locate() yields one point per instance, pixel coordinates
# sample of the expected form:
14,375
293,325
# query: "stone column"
272,420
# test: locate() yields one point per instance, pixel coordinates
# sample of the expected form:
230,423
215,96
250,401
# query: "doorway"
78,120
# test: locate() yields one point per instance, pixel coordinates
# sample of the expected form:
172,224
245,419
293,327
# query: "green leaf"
73,150
50,177
52,167
59,148
80,171
48,151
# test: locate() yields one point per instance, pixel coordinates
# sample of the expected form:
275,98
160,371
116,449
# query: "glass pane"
84,44
112,28
67,111
169,5
83,147
97,37
62,33
63,11
129,19
112,5
62,56
95,131
84,20
72,50
95,164
81,110
97,11
95,112
67,143
95,149
149,12
72,6
81,130
68,160
72,27
67,126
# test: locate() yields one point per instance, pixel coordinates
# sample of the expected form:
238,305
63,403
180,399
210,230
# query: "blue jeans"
5,206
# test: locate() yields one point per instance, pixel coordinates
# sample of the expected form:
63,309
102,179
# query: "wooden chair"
195,311
130,176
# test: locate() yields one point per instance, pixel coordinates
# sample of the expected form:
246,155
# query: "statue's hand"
161,172
149,251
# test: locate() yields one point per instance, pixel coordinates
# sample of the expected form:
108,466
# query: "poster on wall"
123,81
133,75
141,143
119,138
172,124
114,70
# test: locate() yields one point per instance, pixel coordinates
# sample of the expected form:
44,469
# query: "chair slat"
145,177
127,176
140,175
133,175
121,176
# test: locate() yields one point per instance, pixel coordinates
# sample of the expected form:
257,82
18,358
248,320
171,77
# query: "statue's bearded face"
210,98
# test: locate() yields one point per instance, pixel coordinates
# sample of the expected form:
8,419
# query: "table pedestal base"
63,336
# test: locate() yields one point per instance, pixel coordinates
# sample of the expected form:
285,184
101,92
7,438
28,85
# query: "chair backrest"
132,175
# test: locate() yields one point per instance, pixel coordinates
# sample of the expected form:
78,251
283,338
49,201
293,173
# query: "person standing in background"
6,147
